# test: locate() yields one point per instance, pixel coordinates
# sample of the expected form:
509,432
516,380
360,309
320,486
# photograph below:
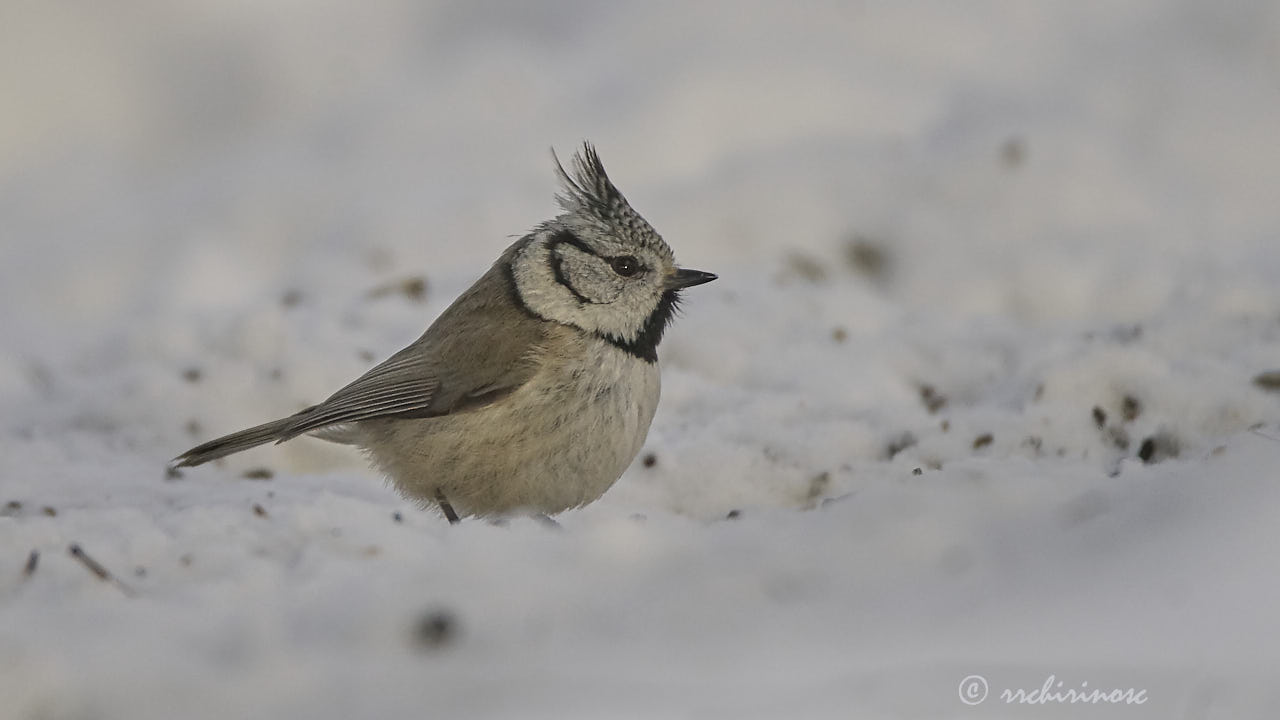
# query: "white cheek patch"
560,282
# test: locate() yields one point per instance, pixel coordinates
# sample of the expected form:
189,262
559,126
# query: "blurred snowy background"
983,387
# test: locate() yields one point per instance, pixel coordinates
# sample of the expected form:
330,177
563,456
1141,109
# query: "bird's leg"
446,508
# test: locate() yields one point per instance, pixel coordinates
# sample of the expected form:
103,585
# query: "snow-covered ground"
978,261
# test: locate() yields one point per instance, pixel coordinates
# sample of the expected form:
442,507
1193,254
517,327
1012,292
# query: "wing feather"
481,348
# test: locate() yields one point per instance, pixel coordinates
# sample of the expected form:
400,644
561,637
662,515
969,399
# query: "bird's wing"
405,382
482,347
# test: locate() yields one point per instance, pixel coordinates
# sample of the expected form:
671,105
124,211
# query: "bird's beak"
688,278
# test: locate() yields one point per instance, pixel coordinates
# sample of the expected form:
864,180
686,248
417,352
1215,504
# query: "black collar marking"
645,344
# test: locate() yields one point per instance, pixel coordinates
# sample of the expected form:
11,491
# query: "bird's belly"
557,442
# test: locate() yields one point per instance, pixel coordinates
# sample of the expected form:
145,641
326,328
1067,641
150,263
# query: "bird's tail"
234,443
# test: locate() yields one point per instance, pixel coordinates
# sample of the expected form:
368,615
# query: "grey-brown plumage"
534,390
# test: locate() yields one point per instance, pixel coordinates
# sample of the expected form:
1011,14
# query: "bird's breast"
558,441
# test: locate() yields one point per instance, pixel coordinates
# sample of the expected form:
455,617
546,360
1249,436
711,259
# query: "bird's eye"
626,266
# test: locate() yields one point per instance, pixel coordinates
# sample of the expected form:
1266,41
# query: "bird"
535,389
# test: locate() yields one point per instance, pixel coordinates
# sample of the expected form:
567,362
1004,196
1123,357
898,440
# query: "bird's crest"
588,193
